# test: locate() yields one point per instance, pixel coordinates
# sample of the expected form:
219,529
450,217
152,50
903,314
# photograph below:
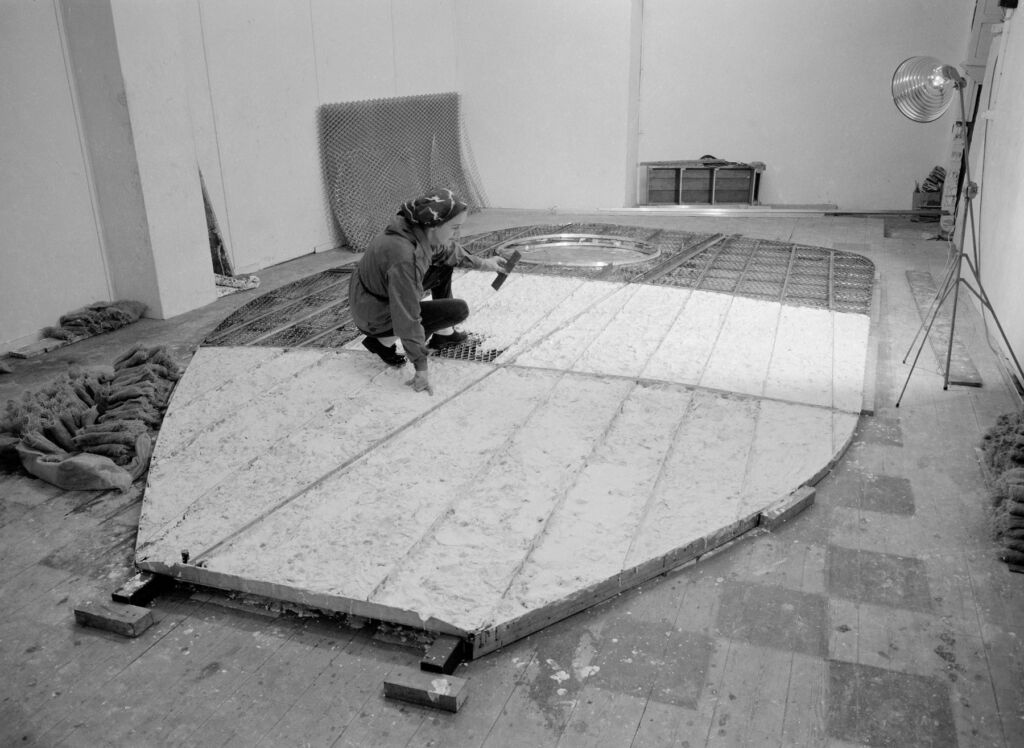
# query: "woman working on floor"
416,253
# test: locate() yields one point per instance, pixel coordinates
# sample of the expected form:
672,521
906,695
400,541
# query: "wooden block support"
426,689
444,655
127,620
787,507
138,590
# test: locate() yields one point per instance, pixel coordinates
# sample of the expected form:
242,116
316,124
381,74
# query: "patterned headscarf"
432,209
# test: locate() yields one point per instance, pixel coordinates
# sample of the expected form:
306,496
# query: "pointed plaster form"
624,430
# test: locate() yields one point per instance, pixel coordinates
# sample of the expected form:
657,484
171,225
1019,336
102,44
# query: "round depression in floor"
580,250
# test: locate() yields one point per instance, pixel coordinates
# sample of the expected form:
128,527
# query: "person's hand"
494,264
421,381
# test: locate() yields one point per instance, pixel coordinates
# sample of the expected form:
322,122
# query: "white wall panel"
355,58
425,47
50,255
546,99
801,85
104,120
262,78
152,52
1001,176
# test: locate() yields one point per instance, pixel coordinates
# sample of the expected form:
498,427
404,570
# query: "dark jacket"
386,288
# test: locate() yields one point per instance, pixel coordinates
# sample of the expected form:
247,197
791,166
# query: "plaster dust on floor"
619,423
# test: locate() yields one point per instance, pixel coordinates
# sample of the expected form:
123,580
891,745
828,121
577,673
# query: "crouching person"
416,253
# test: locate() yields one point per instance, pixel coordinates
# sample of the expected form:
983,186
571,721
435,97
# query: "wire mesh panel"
853,278
314,311
280,304
469,350
336,338
307,330
779,271
377,153
259,330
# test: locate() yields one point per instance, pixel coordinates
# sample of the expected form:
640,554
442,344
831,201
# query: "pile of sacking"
1003,450
93,429
103,316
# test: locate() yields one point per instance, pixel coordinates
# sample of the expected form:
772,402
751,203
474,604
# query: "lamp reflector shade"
922,88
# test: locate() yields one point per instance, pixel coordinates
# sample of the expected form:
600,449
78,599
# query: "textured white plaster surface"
620,423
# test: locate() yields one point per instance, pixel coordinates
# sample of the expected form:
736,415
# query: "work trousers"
441,310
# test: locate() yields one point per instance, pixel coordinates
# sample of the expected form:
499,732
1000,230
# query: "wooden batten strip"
322,601
490,639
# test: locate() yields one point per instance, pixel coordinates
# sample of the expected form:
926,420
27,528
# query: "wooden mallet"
510,263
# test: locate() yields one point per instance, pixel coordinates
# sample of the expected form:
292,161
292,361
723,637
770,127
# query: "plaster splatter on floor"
622,430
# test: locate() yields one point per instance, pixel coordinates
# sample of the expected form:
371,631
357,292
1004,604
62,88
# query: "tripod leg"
912,367
952,327
983,298
940,301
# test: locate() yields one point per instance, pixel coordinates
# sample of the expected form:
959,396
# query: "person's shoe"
387,354
445,341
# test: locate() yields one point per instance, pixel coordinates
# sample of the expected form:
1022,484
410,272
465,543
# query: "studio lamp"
923,89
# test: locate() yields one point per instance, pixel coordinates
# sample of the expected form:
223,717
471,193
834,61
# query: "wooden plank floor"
880,616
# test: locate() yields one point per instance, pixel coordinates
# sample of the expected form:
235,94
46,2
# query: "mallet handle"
509,264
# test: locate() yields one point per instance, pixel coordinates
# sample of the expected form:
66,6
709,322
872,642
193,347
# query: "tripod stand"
954,277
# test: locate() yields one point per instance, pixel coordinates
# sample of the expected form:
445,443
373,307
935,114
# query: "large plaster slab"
624,428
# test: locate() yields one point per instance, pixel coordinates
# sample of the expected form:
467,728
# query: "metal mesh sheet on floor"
290,315
336,338
280,307
314,311
306,331
779,271
469,350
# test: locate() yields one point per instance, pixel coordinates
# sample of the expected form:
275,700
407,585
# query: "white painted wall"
802,85
110,149
268,66
999,168
152,53
550,98
227,86
204,126
50,255
546,98
262,82
367,49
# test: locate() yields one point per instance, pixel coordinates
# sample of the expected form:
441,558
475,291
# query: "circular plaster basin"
580,250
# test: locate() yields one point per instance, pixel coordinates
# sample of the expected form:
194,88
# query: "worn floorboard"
888,585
